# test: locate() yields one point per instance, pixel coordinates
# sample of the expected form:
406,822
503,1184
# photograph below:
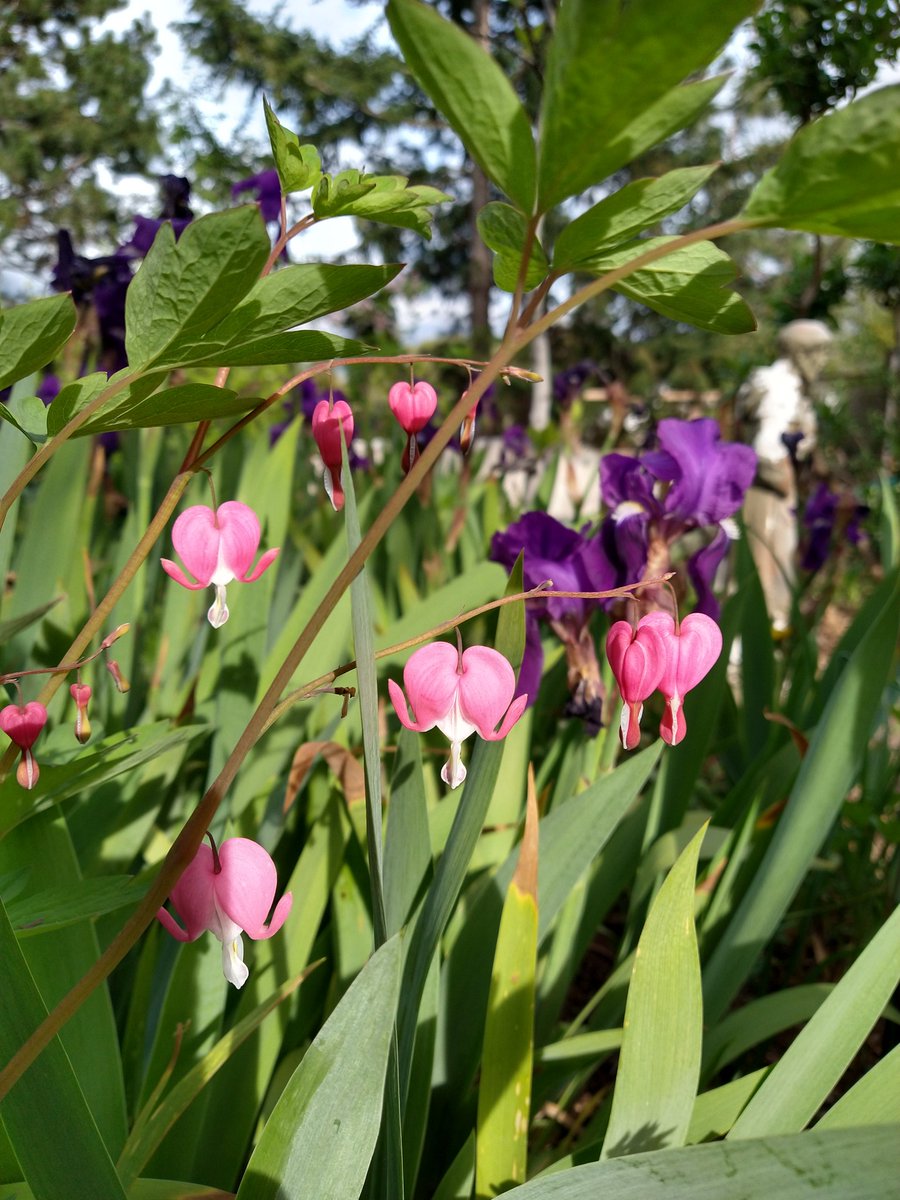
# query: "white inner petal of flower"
223,573
455,727
218,611
229,934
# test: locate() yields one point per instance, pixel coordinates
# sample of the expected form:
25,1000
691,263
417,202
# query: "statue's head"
807,345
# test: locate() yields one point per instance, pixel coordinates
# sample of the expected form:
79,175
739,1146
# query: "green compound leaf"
321,1135
29,416
503,229
189,286
609,70
625,214
839,174
32,334
659,1064
261,325
384,198
689,285
299,167
472,92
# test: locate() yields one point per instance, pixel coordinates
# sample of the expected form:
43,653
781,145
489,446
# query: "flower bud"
81,694
121,682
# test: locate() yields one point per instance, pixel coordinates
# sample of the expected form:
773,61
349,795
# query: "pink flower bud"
81,694
23,724
327,422
460,694
122,684
228,892
217,548
412,406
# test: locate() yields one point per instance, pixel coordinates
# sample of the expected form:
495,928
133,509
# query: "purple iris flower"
102,282
575,563
819,519
708,477
567,384
266,187
49,389
693,480
516,447
145,231
175,194
825,512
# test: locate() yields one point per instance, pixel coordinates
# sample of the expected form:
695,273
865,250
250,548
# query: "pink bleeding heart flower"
22,723
327,421
81,694
460,694
691,652
217,547
638,659
413,406
228,891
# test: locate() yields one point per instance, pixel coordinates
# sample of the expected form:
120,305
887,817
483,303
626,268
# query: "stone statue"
776,415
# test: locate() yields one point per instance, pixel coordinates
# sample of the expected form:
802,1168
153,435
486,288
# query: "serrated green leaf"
321,1135
189,286
659,1063
838,174
32,334
625,214
472,92
299,166
503,229
608,64
689,285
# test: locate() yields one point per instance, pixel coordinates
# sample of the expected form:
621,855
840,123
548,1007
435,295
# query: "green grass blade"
835,754
817,1058
321,1135
873,1100
659,1064
148,1134
45,1115
504,1094
367,696
853,1164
